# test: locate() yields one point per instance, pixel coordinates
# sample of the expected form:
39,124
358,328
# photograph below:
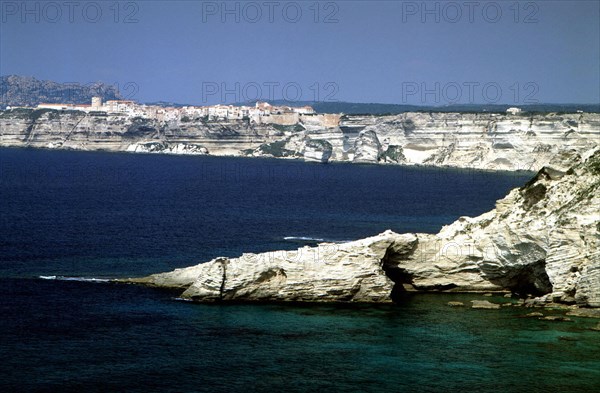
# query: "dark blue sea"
107,215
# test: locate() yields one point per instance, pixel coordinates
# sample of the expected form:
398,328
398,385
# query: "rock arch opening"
403,280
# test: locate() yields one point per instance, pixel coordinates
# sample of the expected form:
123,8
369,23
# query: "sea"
71,220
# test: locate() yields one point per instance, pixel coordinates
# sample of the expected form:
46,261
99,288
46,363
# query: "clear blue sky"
372,51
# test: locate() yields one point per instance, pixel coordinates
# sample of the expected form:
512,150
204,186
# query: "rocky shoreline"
541,243
534,309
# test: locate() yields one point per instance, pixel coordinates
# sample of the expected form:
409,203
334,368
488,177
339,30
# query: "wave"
302,239
80,279
308,239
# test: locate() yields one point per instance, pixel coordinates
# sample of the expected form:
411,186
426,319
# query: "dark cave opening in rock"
403,280
530,279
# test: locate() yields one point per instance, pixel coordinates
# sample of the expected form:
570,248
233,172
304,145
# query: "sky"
403,52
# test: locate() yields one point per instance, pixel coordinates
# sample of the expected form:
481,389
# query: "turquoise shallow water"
139,339
113,215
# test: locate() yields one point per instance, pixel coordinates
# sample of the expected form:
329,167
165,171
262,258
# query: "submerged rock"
568,338
484,304
584,312
558,318
456,304
534,315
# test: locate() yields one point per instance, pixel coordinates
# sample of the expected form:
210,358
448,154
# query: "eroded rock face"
477,140
367,147
167,148
299,145
541,239
318,150
393,154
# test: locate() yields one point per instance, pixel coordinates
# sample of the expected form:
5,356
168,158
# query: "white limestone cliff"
464,140
469,140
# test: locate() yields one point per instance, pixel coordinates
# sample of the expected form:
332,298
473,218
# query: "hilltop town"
260,113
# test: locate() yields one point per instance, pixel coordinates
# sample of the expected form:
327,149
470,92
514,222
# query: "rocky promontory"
542,240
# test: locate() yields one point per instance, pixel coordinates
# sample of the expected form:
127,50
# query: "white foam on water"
81,279
303,239
308,239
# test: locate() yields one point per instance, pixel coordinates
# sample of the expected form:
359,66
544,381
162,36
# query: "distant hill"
28,91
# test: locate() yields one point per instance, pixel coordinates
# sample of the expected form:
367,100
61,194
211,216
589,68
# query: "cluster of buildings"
262,112
514,111
111,106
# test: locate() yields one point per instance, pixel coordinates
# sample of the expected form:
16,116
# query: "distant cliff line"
484,141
